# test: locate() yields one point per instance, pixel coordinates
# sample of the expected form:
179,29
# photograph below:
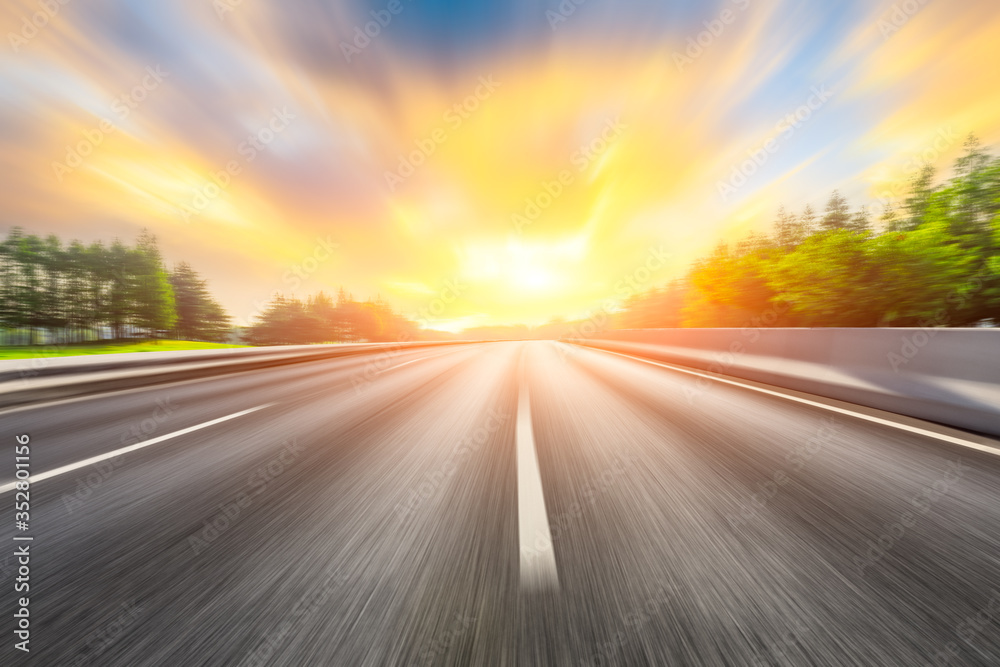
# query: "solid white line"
131,448
538,562
944,437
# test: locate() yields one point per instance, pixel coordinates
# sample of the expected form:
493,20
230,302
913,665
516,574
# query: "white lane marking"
131,448
538,562
944,437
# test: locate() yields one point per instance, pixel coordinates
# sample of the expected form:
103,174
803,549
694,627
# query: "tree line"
320,319
74,293
77,293
933,259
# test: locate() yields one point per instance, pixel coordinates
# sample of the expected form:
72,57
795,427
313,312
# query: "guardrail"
949,376
25,381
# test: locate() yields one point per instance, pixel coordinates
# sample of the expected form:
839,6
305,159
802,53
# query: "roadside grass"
105,347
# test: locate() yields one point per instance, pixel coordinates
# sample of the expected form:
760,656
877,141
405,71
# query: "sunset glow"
524,178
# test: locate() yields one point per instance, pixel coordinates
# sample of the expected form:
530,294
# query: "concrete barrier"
949,376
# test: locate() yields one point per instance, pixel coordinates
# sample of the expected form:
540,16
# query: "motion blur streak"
382,528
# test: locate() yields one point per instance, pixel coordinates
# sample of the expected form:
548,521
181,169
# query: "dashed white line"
538,563
131,448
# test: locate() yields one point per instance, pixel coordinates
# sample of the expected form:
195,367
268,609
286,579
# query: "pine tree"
838,212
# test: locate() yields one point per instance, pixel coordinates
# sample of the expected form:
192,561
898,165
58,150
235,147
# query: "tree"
838,212
55,304
786,229
935,257
97,296
286,321
13,308
807,221
919,271
828,281
116,270
860,221
199,316
77,292
921,189
655,309
77,282
890,218
154,308
30,296
730,287
840,278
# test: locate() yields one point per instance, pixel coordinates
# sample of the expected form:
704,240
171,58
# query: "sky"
472,163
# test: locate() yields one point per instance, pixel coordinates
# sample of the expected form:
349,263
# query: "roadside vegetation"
932,259
104,347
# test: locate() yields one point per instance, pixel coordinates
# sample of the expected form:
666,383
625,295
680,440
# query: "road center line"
944,437
538,563
131,448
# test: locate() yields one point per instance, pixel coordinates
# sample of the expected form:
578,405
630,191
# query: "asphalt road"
494,504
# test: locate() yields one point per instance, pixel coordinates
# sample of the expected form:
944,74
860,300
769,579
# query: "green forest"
51,293
932,259
78,293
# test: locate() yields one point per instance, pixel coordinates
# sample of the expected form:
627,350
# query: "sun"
532,267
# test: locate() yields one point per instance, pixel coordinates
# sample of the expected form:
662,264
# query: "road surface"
495,504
